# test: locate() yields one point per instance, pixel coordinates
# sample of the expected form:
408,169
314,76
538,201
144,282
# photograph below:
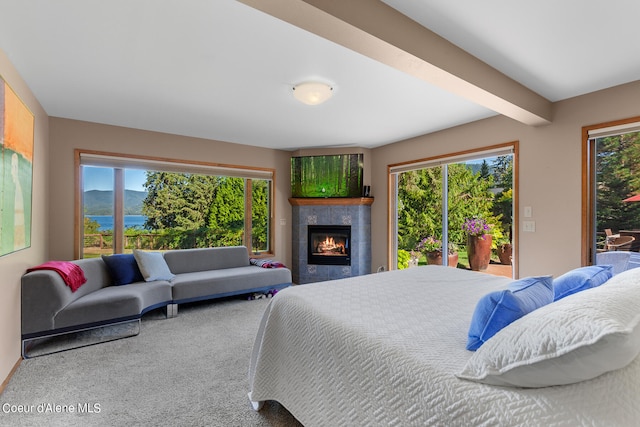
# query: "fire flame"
330,245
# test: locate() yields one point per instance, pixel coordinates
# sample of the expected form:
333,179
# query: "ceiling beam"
374,29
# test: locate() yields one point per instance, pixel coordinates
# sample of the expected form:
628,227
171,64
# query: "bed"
386,349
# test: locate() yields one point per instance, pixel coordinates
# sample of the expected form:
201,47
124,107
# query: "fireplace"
348,221
329,244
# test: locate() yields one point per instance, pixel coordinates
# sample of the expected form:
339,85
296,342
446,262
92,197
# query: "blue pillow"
580,279
498,309
123,268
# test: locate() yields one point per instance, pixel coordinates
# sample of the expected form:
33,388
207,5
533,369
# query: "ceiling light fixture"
312,93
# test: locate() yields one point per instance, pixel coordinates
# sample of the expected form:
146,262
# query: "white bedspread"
383,349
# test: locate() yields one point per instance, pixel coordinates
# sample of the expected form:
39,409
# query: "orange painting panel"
18,132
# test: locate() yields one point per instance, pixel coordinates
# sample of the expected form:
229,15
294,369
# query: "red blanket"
71,273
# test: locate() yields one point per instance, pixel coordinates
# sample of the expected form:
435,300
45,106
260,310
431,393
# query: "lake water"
106,221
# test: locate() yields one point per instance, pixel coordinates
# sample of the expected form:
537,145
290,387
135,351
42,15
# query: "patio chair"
616,241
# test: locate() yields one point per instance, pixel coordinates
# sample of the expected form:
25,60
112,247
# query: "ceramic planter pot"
479,251
435,258
504,253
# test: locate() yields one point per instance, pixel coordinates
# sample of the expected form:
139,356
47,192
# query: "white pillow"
574,339
152,266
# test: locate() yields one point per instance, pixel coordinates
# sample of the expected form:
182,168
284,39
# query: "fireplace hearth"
329,244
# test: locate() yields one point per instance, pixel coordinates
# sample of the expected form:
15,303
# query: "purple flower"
429,244
475,226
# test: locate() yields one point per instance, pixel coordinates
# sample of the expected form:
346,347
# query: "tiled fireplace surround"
355,212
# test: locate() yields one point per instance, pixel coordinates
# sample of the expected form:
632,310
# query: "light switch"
527,212
283,221
529,226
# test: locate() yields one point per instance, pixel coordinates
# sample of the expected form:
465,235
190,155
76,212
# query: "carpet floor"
191,370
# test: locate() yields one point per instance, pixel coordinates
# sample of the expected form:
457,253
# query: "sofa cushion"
205,284
152,266
123,268
190,260
114,302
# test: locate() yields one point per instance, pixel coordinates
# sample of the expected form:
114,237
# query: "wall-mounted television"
338,175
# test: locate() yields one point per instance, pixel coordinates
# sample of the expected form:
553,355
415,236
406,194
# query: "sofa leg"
172,310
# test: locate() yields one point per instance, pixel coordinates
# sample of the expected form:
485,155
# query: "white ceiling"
219,69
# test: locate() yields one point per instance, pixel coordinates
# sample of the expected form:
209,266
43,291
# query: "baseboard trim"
5,383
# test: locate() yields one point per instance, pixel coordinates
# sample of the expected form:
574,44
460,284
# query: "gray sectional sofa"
49,307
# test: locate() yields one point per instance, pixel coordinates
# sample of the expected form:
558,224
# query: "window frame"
120,161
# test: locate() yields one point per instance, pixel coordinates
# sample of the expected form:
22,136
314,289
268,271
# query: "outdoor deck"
500,270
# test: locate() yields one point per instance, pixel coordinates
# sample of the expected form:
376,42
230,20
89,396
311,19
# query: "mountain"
99,202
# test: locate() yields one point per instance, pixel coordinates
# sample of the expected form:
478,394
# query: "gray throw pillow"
152,266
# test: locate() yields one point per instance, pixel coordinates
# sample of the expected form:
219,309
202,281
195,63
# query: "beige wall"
550,173
12,266
68,135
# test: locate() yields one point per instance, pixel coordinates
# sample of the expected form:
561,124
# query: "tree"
484,170
226,213
91,226
191,210
503,171
259,214
469,195
420,203
617,177
503,205
178,200
419,206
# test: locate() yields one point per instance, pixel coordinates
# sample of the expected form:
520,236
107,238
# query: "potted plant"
431,247
479,242
453,255
503,246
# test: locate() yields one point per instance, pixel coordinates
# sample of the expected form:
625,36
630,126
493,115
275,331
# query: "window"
434,197
611,180
134,202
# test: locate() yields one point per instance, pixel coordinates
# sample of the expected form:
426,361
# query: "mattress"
383,349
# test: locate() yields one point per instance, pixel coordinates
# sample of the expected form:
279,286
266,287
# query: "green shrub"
403,259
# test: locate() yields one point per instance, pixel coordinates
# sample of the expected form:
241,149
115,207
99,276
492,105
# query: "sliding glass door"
437,201
614,194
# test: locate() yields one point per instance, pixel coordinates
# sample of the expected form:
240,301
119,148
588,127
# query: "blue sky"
96,178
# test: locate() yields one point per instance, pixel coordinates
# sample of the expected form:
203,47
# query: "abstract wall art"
16,171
